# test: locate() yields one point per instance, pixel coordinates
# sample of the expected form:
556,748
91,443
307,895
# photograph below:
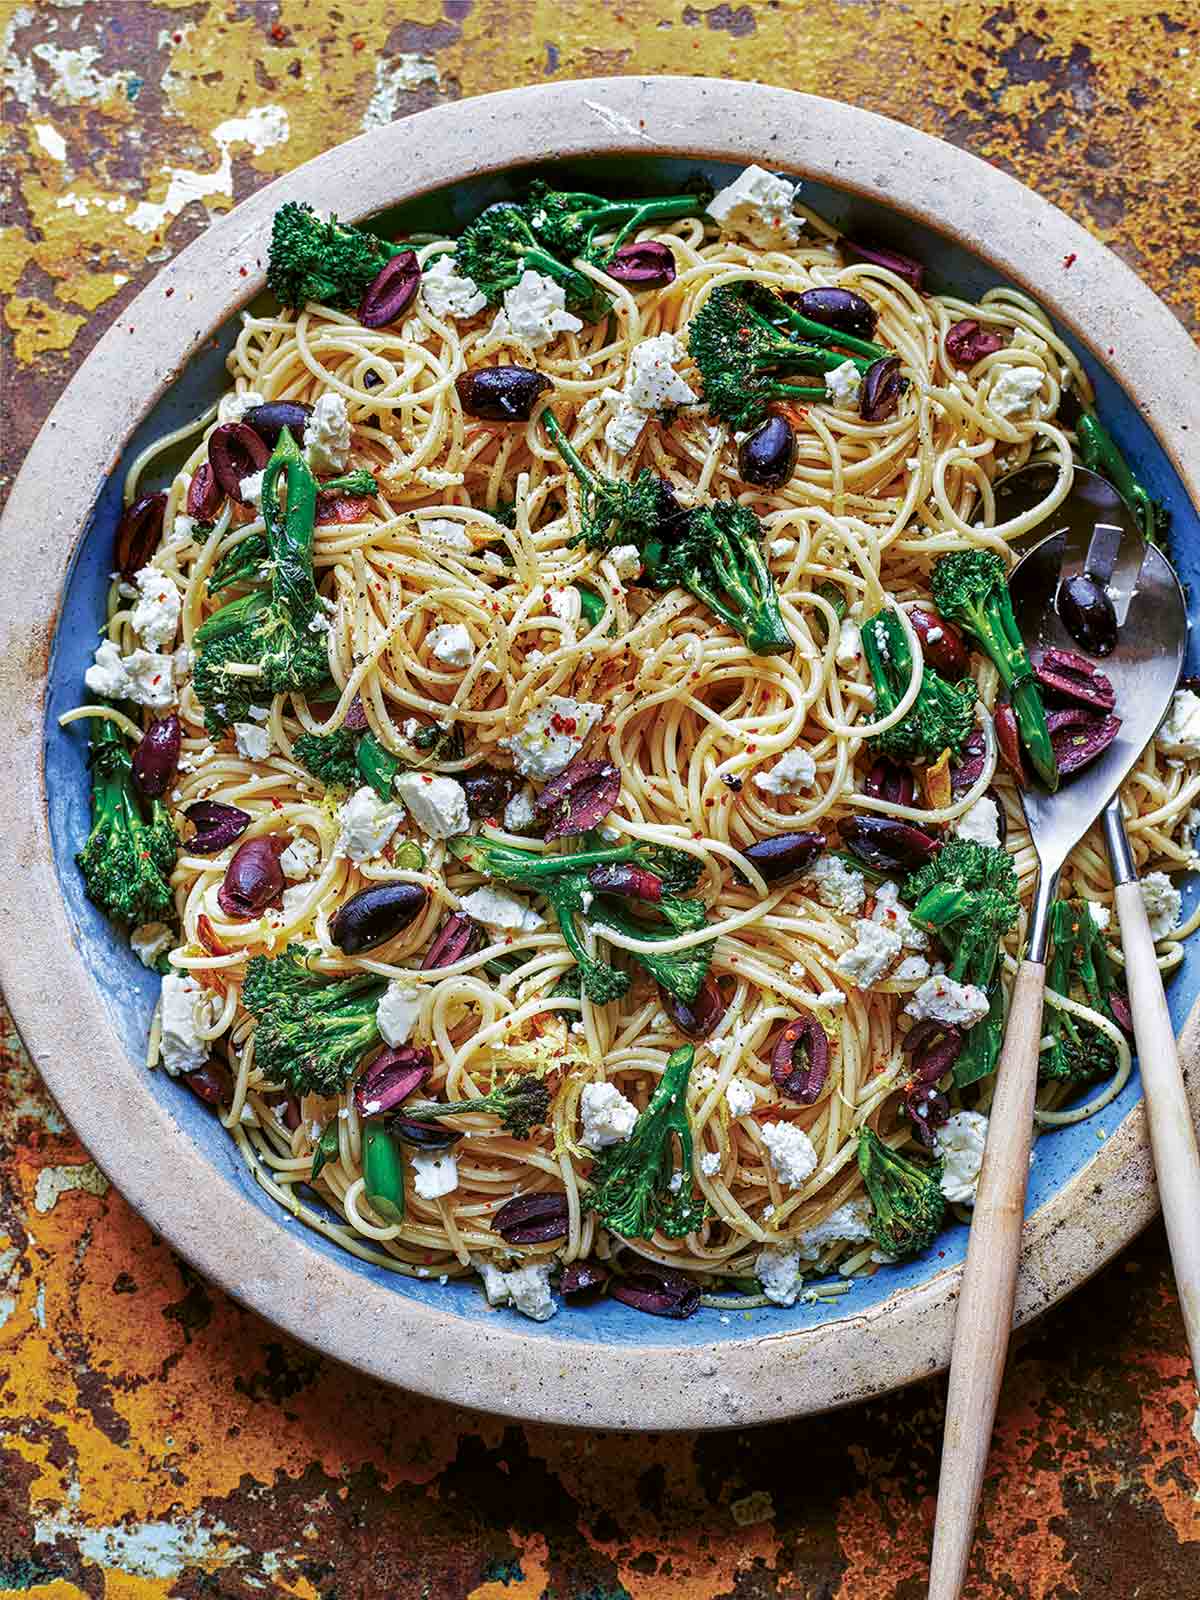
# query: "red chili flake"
750,749
244,271
278,32
562,724
358,44
278,804
167,293
1069,261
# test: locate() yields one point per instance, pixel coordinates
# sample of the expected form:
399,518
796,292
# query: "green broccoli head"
943,715
613,510
715,552
310,1034
521,1102
967,894
500,246
907,1204
126,861
329,262
630,1186
331,757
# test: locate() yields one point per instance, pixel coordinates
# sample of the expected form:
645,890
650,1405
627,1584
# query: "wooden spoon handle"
985,1303
1172,1132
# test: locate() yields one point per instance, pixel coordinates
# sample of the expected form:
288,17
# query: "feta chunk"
1164,904
843,385
146,678
849,645
875,950
710,1163
778,548
624,428
565,604
791,1152
184,1003
552,736
327,434
498,909
519,813
1180,732
183,529
156,616
1014,390
943,999
911,970
446,532
777,1267
451,645
151,940
253,741
397,1013
528,1289
626,560
608,1117
837,885
1101,915
758,206
233,407
449,294
981,822
890,913
250,490
739,1097
960,1142
438,805
367,823
652,381
794,771
535,312
435,1173
299,859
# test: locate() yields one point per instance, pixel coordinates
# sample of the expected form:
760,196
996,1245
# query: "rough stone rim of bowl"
135,1140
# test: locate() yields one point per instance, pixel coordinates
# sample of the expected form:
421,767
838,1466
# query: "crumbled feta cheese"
299,859
943,999
151,940
528,1289
911,970
519,813
739,1097
608,1117
449,294
250,490
781,547
451,645
156,616
1180,731
446,532
791,1151
829,997
535,311
1101,915
435,1173
146,678
438,805
626,560
981,822
874,951
758,205
652,381
710,1163
794,771
565,603
960,1142
497,908
837,885
777,1268
849,1224
934,634
327,434
1163,902
849,645
182,1002
183,528
1014,390
233,407
367,823
843,385
396,1015
552,736
590,409
253,741
890,913
624,428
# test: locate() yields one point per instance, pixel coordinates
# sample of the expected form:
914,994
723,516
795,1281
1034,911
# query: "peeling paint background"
155,1440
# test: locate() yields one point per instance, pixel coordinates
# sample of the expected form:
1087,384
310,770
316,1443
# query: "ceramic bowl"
81,999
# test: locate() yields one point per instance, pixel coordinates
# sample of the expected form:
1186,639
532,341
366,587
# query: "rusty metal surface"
155,1440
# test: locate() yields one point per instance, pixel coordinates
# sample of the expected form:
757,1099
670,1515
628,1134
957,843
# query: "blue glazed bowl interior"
129,991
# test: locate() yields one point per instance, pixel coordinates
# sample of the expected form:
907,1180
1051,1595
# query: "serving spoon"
1144,669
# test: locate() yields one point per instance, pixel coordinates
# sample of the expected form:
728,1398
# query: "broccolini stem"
1099,452
803,358
565,449
383,1172
819,334
669,208
377,765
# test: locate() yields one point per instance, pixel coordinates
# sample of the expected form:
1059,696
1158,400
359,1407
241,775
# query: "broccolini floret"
267,643
1079,1051
521,1102
310,1033
614,511
715,553
630,1186
970,587
331,757
568,222
326,261
126,861
500,246
943,715
907,1204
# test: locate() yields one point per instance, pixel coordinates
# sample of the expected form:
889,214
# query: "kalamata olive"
582,1280
887,844
1118,1004
286,1110
967,342
836,308
488,789
1008,743
1001,816
392,292
881,389
800,1059
1065,676
204,494
157,756
785,855
139,534
927,1109
880,256
375,915
253,879
767,457
936,1047
942,644
1086,612
1079,736
216,826
236,451
645,264
273,416
966,773
887,781
501,394
532,1219
699,1017
660,1291
580,797
212,1083
424,1135
451,943
390,1079
623,877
